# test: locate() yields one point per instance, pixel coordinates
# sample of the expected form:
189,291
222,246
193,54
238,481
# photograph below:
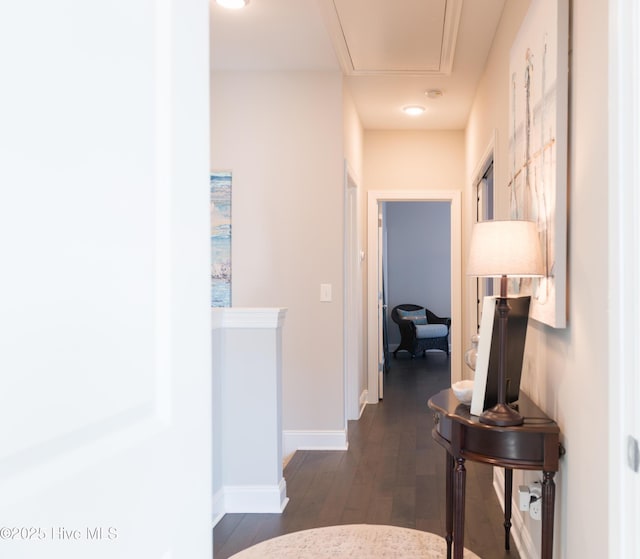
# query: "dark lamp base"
502,416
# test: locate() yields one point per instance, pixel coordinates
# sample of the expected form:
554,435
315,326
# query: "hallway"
393,473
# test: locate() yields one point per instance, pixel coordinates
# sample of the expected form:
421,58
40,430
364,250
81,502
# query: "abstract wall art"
220,208
537,166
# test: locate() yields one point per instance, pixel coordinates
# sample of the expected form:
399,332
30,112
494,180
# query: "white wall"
281,136
414,160
565,371
353,135
418,258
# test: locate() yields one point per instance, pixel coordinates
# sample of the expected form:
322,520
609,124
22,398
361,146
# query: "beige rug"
362,541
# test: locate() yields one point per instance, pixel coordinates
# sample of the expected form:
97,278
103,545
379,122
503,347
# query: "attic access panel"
402,36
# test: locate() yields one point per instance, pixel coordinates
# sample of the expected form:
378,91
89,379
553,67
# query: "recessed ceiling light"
232,4
413,110
433,93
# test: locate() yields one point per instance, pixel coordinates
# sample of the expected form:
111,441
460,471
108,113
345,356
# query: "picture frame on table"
485,384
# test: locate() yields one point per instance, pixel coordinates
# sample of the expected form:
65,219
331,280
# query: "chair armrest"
407,327
435,319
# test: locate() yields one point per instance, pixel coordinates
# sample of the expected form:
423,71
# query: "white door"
104,324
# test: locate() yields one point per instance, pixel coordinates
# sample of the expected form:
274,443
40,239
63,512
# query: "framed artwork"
220,209
538,125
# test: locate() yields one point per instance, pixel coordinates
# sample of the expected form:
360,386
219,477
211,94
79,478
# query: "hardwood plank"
403,510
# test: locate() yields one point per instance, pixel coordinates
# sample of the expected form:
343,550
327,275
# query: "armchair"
420,329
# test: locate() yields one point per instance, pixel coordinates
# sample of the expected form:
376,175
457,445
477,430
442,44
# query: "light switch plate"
325,292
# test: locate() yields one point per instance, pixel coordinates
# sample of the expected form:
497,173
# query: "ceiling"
391,52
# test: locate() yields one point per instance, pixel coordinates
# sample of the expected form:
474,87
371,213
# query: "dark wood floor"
393,473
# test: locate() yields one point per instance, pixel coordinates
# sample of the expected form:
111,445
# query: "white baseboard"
314,440
217,506
363,401
255,498
521,536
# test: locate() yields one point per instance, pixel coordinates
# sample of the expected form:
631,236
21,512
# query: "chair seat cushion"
418,317
431,330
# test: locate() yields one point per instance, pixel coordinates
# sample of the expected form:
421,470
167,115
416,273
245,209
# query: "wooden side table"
535,445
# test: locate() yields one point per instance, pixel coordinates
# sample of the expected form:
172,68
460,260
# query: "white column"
247,410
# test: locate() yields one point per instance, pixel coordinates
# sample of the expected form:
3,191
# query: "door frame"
624,272
374,199
476,294
353,299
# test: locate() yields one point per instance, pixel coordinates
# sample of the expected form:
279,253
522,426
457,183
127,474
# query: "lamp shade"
505,248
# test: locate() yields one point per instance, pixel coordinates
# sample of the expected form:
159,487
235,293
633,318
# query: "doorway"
375,302
416,260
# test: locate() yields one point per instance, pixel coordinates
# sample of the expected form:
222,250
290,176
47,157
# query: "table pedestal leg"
548,504
449,465
508,489
459,479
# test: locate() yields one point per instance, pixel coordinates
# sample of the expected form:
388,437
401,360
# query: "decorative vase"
471,354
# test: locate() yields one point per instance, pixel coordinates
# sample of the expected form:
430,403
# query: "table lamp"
504,249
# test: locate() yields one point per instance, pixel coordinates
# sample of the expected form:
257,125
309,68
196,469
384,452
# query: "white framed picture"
485,383
482,359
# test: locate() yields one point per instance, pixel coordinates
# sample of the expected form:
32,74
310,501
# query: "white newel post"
247,411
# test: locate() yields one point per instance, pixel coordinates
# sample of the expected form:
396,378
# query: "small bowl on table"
463,390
